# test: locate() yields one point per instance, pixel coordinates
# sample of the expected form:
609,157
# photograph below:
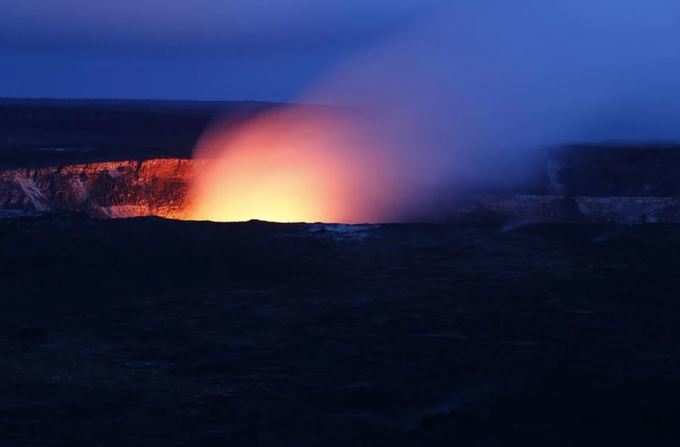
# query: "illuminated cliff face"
108,189
262,176
297,165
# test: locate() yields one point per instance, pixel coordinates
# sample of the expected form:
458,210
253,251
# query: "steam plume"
465,99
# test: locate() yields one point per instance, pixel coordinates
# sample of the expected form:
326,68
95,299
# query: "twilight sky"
276,49
199,49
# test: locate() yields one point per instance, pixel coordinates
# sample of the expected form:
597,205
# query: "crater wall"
155,187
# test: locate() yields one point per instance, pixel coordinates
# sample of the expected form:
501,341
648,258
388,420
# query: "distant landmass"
44,132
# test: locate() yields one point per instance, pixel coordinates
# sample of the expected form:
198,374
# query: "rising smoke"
468,98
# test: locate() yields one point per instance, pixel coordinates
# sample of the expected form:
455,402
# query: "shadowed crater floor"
154,332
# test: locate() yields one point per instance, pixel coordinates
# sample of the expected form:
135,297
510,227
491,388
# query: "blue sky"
276,49
199,49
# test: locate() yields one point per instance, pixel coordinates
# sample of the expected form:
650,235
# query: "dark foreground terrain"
160,333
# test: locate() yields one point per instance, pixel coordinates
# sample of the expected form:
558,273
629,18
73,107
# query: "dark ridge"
618,169
39,132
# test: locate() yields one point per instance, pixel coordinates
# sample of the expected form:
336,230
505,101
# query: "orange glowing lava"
297,165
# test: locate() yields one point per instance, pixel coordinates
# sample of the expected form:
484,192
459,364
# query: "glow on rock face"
290,166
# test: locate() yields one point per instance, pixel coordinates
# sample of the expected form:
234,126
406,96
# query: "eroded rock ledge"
156,187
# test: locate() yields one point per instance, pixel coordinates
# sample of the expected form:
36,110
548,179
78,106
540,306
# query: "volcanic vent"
104,158
581,184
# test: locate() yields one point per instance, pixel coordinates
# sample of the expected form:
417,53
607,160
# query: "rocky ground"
154,332
157,187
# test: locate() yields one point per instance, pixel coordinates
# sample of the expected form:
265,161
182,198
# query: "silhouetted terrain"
153,332
608,169
47,132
